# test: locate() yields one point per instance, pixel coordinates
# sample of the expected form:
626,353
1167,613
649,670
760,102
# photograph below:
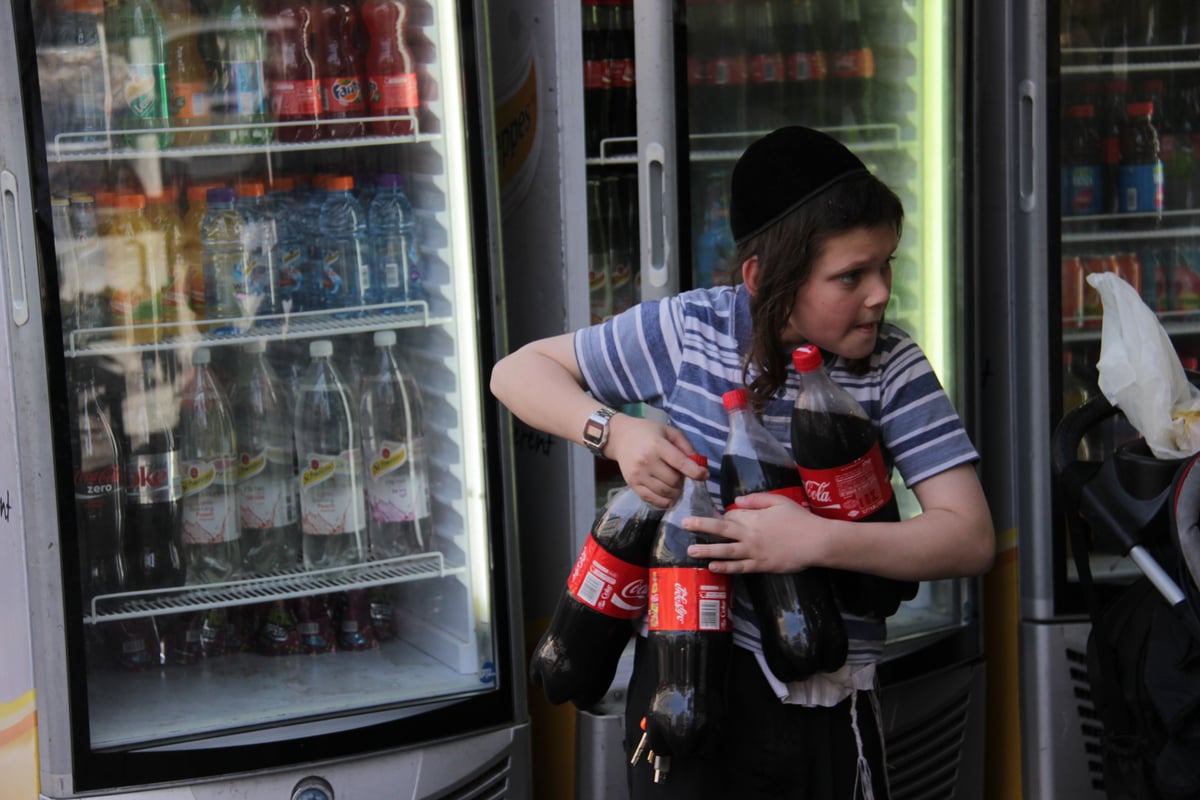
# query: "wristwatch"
595,430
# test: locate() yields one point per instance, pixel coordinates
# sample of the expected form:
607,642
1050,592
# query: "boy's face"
840,306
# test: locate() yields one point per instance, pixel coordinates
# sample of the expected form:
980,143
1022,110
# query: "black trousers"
761,749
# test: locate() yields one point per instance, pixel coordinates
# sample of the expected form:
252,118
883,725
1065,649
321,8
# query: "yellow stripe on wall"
18,749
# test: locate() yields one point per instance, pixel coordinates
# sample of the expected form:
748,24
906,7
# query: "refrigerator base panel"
250,690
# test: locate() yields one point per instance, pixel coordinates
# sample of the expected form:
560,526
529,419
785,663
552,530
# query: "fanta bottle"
187,78
341,71
391,76
293,74
129,249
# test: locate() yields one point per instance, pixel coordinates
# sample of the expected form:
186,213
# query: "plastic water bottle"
222,242
393,232
344,250
268,492
91,304
260,278
394,453
211,533
290,254
332,512
242,80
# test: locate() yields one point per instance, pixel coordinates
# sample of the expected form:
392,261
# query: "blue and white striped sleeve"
633,357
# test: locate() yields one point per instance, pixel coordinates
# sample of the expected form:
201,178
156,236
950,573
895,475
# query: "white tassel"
862,777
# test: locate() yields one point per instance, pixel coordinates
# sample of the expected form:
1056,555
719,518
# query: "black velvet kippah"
781,171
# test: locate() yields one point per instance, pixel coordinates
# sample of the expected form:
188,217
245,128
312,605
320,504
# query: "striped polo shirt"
681,354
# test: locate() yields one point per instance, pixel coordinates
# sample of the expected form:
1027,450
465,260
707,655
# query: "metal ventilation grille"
490,784
923,761
1089,723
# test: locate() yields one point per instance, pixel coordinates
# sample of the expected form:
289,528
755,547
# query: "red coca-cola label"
596,74
854,64
97,482
606,583
296,98
727,71
852,491
689,599
765,68
697,71
793,493
806,67
622,73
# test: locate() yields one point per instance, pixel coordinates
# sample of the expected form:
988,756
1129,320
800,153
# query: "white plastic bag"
1141,374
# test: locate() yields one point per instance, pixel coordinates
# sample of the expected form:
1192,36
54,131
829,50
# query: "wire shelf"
279,586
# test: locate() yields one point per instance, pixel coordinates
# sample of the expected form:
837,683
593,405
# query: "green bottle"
142,38
242,95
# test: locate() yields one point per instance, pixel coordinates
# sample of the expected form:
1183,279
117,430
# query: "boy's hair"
786,253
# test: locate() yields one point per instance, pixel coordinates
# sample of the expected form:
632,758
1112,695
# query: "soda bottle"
332,512
99,495
175,298
392,230
241,48
725,73
621,253
1141,180
391,71
223,257
597,83
258,289
1083,163
344,250
92,301
1179,168
400,521
599,268
798,616
806,68
292,71
1111,124
144,88
153,493
622,70
342,85
577,656
852,69
187,77
690,634
72,58
764,65
211,533
838,453
134,266
268,492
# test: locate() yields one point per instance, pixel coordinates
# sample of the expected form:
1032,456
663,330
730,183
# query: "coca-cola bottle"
690,636
597,83
153,489
802,630
99,496
764,64
622,71
837,450
725,86
852,70
577,655
806,69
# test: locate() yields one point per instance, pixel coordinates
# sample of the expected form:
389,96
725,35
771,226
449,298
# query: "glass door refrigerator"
260,537
645,110
1065,200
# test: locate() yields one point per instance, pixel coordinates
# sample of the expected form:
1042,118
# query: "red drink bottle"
577,655
293,74
802,630
838,452
391,74
342,86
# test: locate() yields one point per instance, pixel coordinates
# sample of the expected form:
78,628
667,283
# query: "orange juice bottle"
132,244
175,296
197,197
187,79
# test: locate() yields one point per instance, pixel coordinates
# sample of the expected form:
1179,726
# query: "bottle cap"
388,180
130,201
806,358
201,357
198,192
735,398
256,346
342,183
221,194
250,189
167,196
699,459
385,338
283,183
321,348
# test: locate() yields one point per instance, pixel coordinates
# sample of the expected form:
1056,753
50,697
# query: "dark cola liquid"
577,656
822,440
798,616
153,529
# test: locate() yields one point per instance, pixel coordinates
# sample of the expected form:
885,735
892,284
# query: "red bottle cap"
699,459
735,398
806,358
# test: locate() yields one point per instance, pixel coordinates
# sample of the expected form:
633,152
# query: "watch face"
593,432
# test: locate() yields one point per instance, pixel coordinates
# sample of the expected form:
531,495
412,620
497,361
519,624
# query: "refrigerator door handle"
1027,166
12,248
658,167
658,269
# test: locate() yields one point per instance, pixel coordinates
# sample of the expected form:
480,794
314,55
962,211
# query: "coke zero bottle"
577,655
838,452
154,490
802,630
690,632
99,496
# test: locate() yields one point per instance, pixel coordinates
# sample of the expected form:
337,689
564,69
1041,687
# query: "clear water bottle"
344,250
260,279
268,491
91,304
211,533
394,453
242,86
392,227
332,511
72,54
291,253
222,242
